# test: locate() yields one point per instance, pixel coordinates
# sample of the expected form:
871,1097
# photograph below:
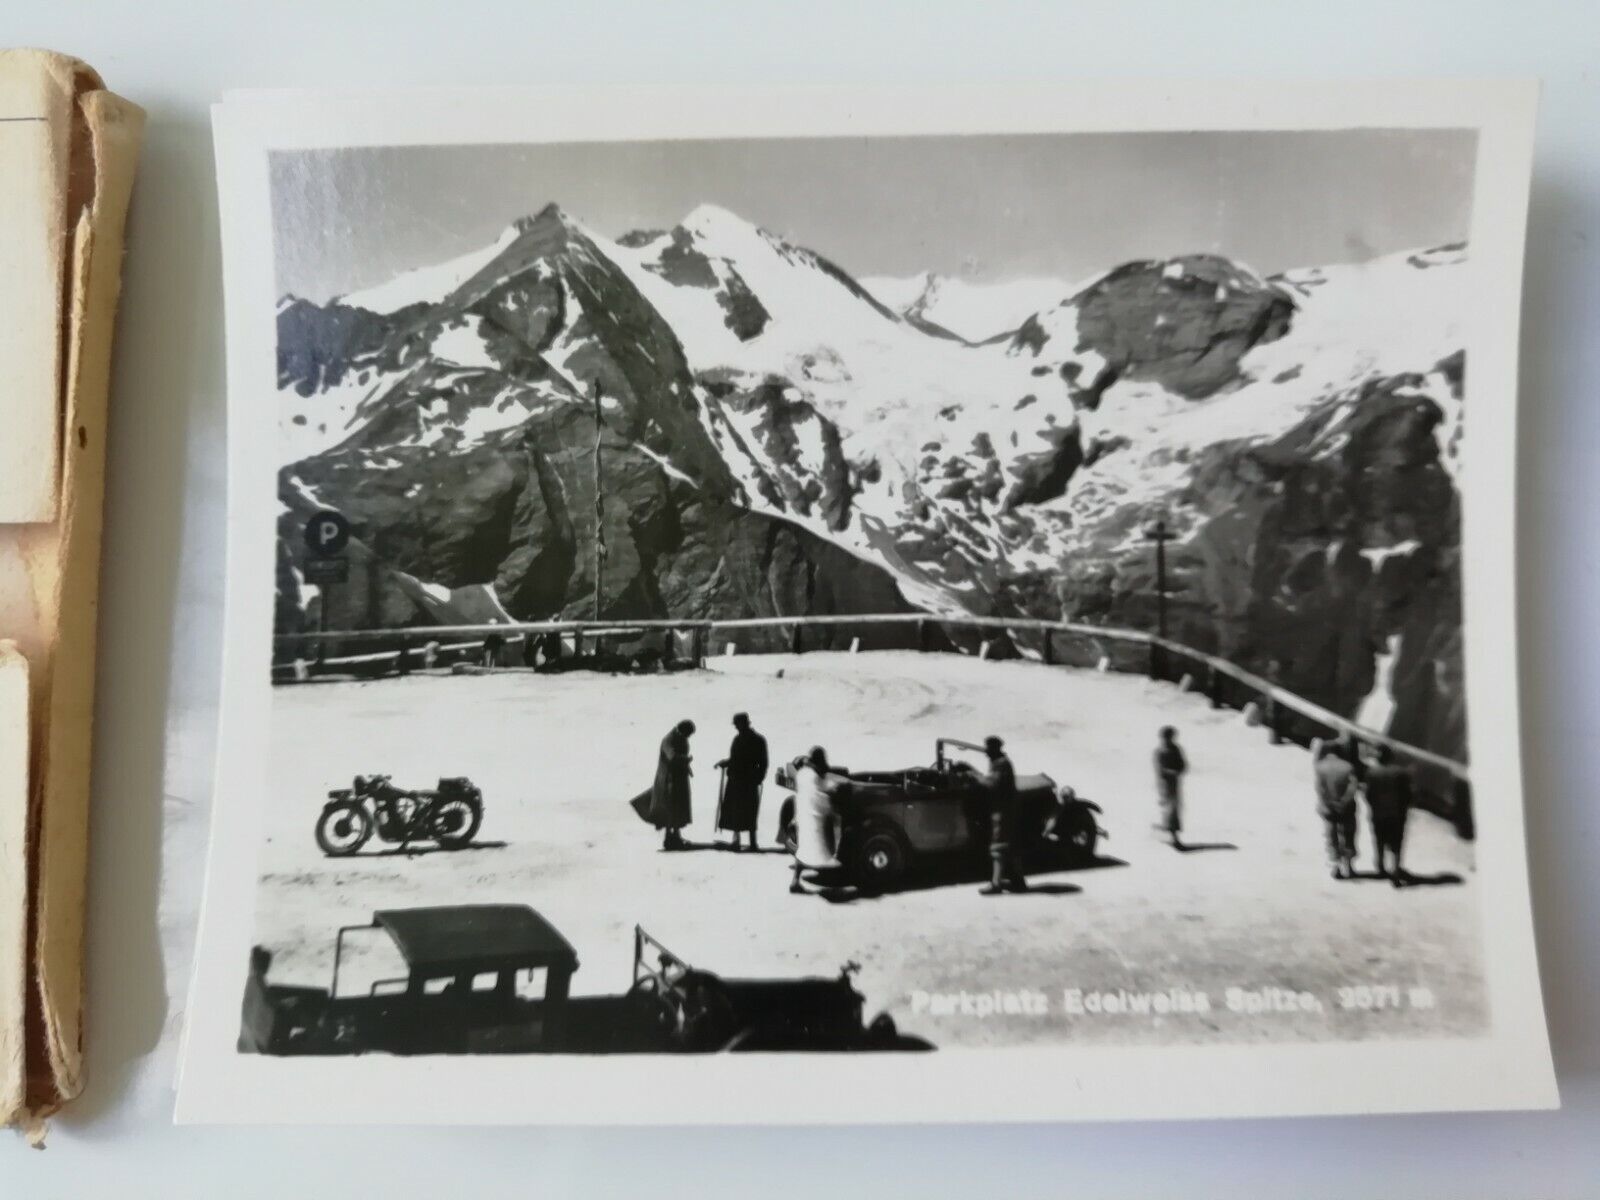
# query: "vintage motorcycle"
448,815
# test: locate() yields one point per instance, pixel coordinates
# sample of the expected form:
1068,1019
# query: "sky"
984,208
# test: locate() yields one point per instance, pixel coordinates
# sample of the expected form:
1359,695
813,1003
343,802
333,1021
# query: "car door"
935,819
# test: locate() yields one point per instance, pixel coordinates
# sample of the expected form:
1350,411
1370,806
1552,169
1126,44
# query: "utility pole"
599,508
1160,534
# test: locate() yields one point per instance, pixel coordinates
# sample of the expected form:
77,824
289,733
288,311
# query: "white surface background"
163,574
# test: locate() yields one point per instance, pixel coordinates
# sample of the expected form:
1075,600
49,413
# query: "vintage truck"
496,979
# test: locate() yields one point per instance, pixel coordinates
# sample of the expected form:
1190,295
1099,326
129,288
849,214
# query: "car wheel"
880,861
455,823
343,828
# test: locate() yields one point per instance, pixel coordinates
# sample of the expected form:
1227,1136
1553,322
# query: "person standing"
666,805
1336,785
1000,786
746,767
816,822
1389,789
1171,766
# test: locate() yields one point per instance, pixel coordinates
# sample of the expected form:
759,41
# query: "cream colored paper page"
62,780
36,96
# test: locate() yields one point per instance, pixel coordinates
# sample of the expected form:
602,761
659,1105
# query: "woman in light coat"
816,821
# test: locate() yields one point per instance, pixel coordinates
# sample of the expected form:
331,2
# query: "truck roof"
475,937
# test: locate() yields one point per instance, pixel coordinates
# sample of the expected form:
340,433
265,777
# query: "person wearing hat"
1389,800
746,771
1000,786
666,805
1337,783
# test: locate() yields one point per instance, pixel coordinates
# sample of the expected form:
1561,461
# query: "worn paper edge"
13,873
62,560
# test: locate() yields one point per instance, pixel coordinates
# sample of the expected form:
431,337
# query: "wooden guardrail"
1274,701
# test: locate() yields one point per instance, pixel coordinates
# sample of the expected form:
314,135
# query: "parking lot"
1246,919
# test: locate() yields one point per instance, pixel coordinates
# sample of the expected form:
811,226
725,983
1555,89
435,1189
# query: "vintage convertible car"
893,822
496,979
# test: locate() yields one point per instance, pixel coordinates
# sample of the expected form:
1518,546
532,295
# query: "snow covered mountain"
780,438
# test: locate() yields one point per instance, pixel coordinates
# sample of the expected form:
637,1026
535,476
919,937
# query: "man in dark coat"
1388,802
1000,785
1336,784
666,804
746,767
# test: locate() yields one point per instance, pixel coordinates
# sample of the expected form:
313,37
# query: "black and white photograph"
976,596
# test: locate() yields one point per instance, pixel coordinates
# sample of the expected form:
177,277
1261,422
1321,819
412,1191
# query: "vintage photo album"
839,605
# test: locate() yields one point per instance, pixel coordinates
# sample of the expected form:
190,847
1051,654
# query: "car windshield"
368,958
962,758
653,959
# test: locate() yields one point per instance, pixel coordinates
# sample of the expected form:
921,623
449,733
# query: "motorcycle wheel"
455,823
343,828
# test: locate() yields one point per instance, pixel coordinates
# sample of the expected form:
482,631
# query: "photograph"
953,592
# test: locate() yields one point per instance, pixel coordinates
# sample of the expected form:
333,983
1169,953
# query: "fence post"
923,640
1049,650
1269,714
796,640
577,643
1214,685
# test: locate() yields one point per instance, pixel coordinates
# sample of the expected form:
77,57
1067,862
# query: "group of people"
1342,776
668,803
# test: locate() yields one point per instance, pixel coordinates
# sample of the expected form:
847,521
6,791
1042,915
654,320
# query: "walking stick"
722,791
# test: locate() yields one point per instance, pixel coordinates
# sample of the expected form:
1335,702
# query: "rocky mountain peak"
552,223
1183,323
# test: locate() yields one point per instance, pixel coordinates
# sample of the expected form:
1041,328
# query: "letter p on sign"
327,533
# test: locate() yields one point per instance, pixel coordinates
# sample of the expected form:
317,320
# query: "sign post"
327,535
